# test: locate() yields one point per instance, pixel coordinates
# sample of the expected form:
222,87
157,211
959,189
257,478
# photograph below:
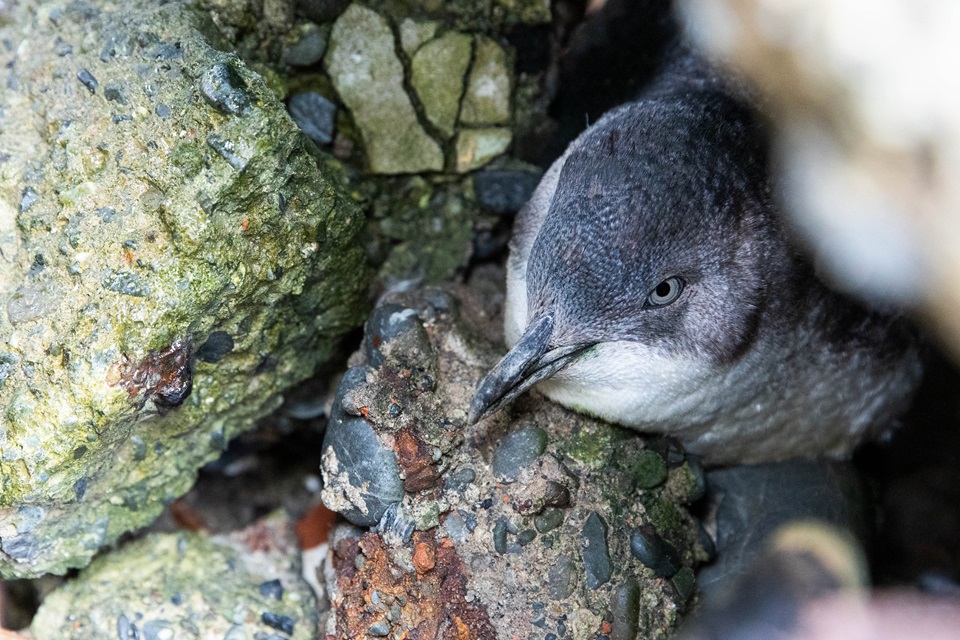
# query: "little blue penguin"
652,283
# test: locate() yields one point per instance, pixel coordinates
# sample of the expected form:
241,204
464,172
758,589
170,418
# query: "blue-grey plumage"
652,283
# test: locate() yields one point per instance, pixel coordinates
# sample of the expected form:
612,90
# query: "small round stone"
504,191
518,450
308,49
649,470
654,552
549,520
314,114
379,629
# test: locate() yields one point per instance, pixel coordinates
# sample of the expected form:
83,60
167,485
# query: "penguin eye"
665,292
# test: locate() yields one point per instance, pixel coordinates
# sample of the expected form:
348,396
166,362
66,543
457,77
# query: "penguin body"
652,283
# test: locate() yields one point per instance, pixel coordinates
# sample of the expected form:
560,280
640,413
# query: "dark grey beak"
530,361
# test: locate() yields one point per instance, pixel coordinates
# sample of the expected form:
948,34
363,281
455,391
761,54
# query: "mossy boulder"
171,261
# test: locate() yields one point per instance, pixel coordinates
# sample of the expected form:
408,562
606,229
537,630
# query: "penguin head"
659,240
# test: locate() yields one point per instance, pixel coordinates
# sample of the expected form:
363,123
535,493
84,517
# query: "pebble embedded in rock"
279,622
477,147
308,49
362,479
625,611
314,114
86,79
379,629
271,589
518,450
548,520
390,322
504,191
217,345
654,552
649,470
596,555
685,582
460,479
224,88
561,578
157,630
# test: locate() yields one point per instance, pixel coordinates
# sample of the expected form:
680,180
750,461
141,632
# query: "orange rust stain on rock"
424,558
431,598
416,461
314,528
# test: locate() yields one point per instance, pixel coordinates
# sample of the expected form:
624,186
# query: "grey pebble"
157,630
548,520
390,322
369,467
596,555
518,450
379,629
504,191
226,150
235,632
271,589
685,582
314,114
217,345
455,527
27,200
113,93
700,486
223,87
86,79
460,479
162,111
561,578
654,552
625,611
308,50
277,621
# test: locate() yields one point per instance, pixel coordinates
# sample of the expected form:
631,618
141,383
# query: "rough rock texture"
868,135
517,527
171,260
165,586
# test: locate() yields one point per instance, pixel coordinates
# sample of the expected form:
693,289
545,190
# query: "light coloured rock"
487,100
186,585
438,70
414,33
476,147
363,64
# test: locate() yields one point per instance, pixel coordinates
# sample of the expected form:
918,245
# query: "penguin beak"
530,361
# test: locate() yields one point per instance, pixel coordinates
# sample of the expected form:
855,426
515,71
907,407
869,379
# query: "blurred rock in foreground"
864,98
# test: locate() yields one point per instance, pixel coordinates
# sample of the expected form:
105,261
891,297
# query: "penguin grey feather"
651,282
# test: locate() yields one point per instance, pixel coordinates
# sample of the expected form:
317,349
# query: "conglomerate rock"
188,585
171,260
534,522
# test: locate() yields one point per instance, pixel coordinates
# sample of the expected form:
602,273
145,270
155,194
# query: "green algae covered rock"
171,260
187,586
